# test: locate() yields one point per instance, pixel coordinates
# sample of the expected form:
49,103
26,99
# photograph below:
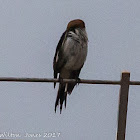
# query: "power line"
82,81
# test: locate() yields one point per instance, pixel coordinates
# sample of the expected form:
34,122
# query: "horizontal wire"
83,81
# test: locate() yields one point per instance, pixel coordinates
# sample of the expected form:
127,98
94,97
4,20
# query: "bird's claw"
78,81
60,80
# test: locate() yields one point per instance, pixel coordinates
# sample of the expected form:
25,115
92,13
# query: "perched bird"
69,58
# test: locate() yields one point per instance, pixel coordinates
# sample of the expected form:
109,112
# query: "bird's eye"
73,30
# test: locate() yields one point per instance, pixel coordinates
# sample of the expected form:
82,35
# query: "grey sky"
29,33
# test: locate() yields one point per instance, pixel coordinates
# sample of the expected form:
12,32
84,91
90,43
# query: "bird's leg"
78,81
60,80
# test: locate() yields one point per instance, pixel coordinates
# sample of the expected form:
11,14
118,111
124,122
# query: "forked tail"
61,96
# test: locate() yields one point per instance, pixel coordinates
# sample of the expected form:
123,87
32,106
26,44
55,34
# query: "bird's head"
77,23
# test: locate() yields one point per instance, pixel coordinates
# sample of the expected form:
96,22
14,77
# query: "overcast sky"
29,33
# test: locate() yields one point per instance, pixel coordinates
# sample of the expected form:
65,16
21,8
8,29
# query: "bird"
69,58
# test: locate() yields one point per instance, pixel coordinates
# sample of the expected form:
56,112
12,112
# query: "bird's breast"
75,52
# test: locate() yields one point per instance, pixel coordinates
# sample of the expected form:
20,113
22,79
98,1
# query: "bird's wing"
58,61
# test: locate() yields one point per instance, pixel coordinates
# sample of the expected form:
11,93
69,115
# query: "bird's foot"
78,81
60,80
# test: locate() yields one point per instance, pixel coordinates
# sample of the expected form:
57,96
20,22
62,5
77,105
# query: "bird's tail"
61,96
